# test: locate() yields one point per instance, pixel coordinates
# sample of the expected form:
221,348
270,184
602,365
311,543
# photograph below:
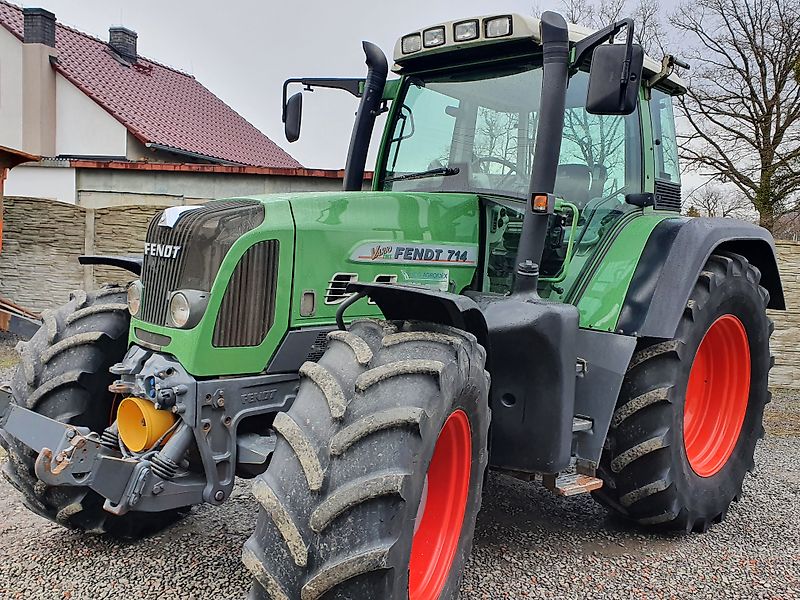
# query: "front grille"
668,195
248,307
203,237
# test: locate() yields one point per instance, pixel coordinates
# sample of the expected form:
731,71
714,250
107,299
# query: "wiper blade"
440,172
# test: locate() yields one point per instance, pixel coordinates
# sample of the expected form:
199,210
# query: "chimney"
123,41
40,27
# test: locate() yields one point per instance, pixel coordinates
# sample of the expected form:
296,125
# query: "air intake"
668,196
248,307
337,287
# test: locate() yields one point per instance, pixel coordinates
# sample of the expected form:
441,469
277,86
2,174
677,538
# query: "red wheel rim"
716,396
441,512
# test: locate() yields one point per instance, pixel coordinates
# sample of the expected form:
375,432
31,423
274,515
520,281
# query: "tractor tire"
690,410
376,480
64,374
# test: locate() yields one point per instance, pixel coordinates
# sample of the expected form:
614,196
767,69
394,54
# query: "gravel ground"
529,543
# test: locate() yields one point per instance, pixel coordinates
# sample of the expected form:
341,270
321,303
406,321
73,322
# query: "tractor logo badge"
161,250
415,254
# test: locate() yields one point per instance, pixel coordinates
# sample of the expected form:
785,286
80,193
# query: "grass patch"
8,358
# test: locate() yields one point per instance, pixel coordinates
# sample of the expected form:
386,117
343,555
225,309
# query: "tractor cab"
464,118
467,121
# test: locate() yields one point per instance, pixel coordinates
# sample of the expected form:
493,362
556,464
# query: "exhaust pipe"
368,111
555,76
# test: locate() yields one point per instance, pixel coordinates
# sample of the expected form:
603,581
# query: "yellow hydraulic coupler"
141,425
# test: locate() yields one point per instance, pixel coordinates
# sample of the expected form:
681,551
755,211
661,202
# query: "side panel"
426,239
607,357
604,295
672,261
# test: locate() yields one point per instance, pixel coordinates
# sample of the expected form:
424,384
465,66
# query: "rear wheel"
376,480
64,374
690,411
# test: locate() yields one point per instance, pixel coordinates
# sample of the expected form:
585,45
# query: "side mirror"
613,82
293,117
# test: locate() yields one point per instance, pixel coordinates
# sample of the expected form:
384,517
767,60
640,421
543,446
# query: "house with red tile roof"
109,123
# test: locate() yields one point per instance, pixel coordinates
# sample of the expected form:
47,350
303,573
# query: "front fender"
417,303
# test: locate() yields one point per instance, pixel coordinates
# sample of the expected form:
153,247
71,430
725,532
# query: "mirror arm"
668,64
351,85
586,46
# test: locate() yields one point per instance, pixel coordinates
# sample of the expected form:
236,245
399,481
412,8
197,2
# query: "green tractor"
518,292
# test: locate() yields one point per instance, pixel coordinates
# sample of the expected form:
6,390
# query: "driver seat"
573,182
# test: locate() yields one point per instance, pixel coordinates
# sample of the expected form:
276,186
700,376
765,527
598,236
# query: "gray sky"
243,50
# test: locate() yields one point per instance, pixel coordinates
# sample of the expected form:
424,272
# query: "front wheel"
375,483
64,374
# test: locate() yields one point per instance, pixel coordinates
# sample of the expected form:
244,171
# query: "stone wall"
119,230
786,339
42,240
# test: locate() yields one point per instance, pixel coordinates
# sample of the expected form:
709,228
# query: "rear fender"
671,262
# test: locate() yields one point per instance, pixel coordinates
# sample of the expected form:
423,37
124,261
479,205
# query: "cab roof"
522,27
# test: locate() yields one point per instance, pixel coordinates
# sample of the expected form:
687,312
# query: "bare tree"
743,106
713,200
646,14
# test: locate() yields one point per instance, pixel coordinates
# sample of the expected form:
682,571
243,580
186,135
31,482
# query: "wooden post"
3,173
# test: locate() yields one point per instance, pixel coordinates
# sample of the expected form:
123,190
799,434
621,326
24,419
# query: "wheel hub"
717,396
441,513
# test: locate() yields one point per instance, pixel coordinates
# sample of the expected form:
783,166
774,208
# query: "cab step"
581,424
571,484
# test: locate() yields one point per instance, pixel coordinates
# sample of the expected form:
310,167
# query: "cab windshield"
474,130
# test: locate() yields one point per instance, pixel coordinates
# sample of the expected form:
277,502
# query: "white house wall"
10,90
83,128
51,183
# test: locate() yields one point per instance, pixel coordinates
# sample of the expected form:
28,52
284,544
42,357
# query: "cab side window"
600,154
664,139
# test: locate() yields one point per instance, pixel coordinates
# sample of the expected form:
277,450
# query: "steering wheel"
512,168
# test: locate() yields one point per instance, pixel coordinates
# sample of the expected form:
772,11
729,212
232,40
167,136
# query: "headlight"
135,298
186,308
179,310
498,27
412,43
434,37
